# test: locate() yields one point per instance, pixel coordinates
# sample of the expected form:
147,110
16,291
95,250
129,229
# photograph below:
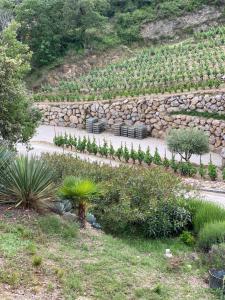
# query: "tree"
41,28
80,191
18,119
50,27
85,21
188,141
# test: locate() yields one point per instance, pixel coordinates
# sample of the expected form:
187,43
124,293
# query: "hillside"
100,49
195,63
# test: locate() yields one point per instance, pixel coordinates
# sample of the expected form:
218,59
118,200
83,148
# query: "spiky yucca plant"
27,181
6,156
80,191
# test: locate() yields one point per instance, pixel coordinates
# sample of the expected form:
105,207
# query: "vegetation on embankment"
90,263
203,114
88,25
197,63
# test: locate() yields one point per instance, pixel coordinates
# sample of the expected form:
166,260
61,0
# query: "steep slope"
196,63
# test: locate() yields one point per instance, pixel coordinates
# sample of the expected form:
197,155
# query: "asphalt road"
43,143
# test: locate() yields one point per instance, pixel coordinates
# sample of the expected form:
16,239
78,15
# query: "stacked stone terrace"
154,112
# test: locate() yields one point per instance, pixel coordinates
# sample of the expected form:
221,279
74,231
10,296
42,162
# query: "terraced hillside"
196,63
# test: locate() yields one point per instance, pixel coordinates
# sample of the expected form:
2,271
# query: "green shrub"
156,158
55,225
134,200
204,212
166,220
133,154
212,171
119,152
27,181
36,261
187,169
126,154
143,204
187,238
111,151
210,234
140,155
188,141
174,164
166,162
148,158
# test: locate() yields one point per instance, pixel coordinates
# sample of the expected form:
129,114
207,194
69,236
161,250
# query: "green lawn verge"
94,265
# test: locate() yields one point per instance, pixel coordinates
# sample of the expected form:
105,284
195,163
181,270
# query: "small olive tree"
188,141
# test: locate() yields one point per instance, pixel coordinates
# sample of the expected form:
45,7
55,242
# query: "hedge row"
123,154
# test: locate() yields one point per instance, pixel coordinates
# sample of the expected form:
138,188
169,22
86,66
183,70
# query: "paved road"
47,133
43,142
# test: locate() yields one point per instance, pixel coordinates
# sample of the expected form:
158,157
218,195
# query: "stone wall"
155,112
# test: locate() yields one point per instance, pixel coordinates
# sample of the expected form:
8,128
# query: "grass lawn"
46,258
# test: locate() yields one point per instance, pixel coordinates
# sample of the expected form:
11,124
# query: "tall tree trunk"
82,215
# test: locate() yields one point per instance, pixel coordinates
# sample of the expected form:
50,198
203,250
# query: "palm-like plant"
80,191
27,181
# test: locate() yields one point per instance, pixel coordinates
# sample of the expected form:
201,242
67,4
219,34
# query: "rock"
63,206
154,112
70,217
73,119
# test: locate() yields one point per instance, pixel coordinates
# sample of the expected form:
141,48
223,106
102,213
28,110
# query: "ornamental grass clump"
27,181
204,212
210,234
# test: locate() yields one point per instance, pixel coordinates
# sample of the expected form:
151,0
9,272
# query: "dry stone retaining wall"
155,112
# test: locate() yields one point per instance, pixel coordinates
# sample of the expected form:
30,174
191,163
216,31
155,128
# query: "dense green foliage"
27,182
188,141
145,203
52,27
18,119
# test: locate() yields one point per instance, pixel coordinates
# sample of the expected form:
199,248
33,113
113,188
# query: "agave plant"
27,181
80,191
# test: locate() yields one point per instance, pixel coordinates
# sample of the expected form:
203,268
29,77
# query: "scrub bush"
134,200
